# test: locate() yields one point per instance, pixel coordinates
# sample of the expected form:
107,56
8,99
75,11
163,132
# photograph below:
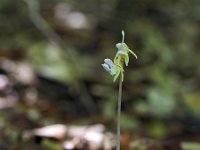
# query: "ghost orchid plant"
116,69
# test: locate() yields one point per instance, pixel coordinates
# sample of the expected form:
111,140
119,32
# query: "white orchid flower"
112,68
109,66
122,53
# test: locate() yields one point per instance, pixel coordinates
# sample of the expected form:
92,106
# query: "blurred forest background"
51,53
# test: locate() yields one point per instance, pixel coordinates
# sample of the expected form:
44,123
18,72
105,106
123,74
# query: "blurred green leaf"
190,146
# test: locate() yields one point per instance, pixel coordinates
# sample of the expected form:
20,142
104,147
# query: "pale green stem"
119,113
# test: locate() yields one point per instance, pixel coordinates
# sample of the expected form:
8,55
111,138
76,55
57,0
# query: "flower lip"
121,52
109,66
105,66
108,63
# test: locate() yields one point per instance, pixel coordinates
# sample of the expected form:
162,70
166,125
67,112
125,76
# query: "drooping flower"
112,68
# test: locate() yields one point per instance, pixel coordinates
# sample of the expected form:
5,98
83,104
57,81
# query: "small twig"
40,23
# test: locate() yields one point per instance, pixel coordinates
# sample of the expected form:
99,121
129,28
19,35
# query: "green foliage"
190,145
193,103
157,130
164,34
51,145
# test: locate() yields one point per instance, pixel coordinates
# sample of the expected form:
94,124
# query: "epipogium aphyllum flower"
116,69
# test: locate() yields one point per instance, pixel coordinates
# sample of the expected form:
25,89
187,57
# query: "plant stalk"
119,113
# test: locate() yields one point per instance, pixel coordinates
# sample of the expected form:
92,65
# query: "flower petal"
106,67
132,53
109,66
